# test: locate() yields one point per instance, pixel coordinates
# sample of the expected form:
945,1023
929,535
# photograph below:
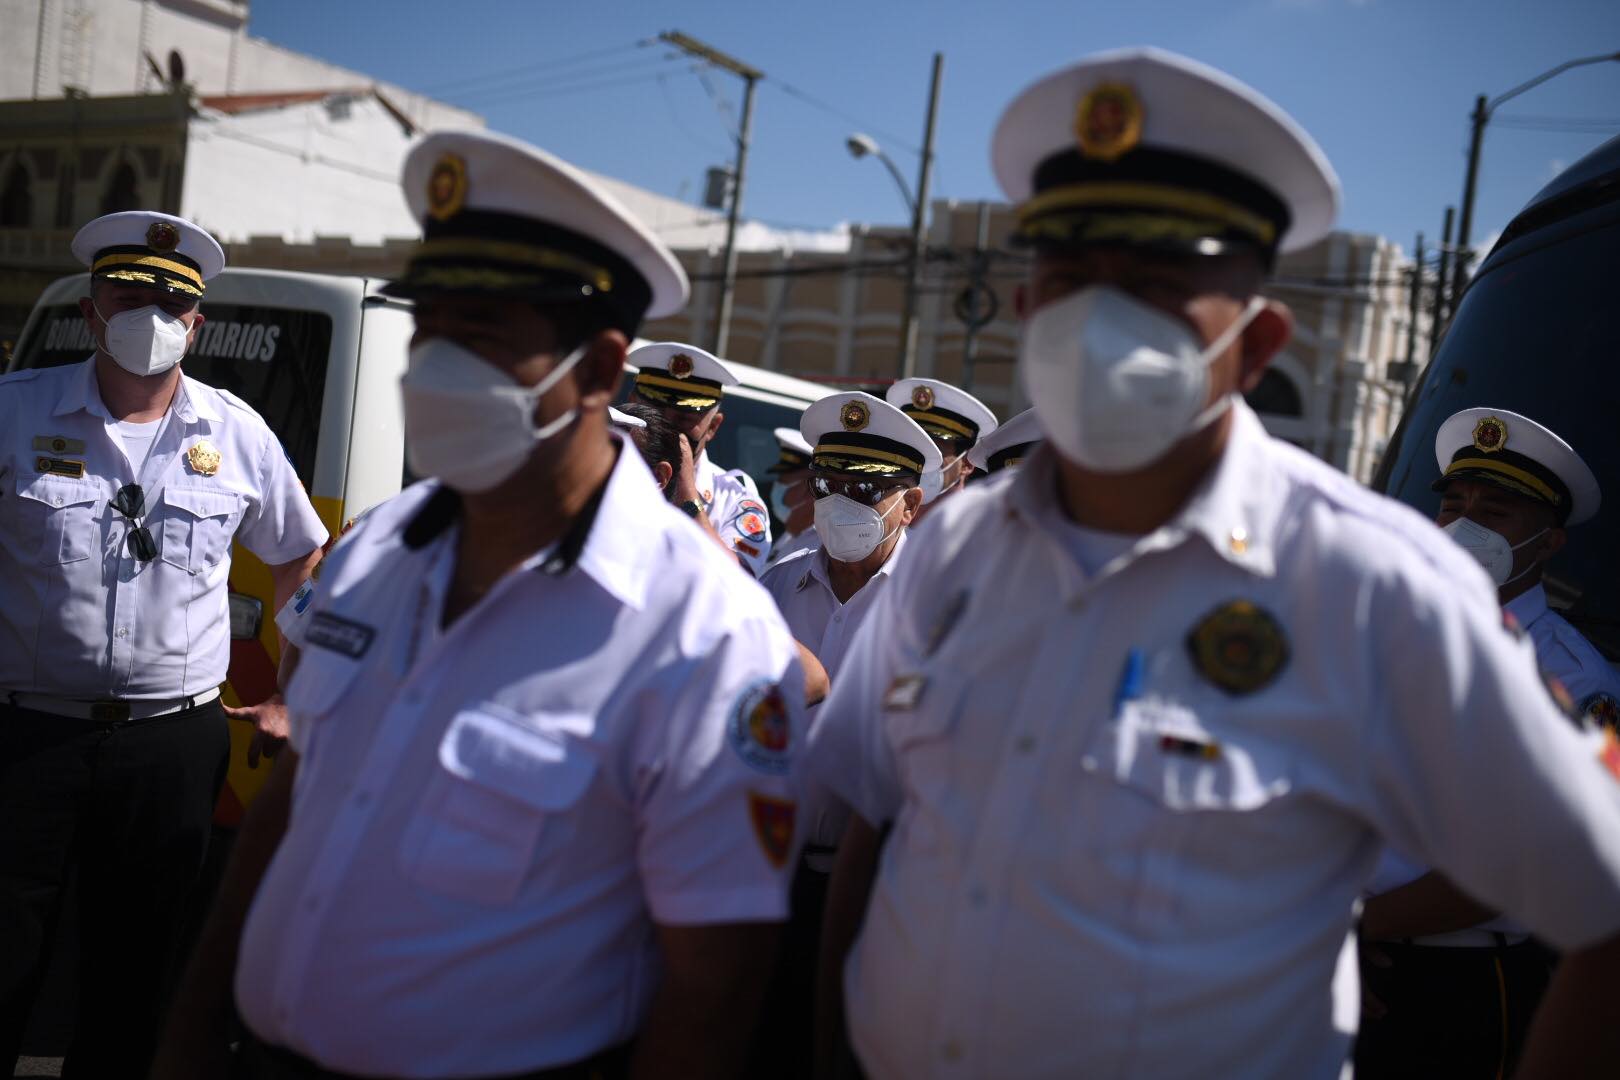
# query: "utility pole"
970,332
919,220
720,336
1476,137
1438,318
1412,314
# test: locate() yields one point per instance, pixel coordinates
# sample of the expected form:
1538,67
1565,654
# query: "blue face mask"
779,504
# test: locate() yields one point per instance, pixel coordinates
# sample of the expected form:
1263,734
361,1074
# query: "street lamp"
860,146
1482,113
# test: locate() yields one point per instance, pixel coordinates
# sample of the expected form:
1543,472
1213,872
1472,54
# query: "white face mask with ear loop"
145,340
850,531
1115,382
1491,549
466,421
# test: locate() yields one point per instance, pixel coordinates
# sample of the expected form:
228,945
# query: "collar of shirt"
191,402
606,540
1233,510
1528,606
818,565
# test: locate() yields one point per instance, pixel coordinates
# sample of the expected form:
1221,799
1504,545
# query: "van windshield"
1540,336
272,358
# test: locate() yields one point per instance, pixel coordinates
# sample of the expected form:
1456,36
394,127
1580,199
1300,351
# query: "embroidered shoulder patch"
751,520
759,730
340,635
773,826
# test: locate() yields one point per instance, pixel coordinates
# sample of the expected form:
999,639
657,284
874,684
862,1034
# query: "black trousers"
1452,1012
122,810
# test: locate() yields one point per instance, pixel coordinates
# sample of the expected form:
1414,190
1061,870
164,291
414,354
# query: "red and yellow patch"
1108,121
773,826
162,236
447,187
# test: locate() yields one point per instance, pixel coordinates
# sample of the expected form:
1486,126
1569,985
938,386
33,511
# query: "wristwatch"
692,508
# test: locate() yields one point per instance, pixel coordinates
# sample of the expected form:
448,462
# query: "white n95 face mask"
466,421
1490,548
1116,382
145,341
848,531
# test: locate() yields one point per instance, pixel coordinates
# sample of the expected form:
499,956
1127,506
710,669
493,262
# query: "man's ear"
911,502
601,369
714,424
196,325
1264,337
663,472
1553,542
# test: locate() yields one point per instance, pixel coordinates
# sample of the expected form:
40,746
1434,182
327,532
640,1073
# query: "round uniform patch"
680,366
923,397
759,729
1239,647
751,520
162,236
1109,121
447,187
854,416
1490,435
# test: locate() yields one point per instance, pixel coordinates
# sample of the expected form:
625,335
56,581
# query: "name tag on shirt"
60,467
340,635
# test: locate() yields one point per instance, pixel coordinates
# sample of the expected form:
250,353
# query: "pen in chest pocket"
1130,681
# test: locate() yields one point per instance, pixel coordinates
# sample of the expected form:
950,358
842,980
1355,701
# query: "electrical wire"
541,87
563,91
535,67
891,141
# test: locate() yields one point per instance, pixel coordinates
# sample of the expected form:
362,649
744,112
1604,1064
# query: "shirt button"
122,631
951,1051
1025,743
57,501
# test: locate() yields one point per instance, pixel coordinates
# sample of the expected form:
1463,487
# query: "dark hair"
658,441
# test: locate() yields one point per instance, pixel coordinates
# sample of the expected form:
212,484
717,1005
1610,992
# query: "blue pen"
1130,681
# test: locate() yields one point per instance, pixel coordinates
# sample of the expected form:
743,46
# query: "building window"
16,200
1276,395
123,190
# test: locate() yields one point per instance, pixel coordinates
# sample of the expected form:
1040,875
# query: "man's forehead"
1491,494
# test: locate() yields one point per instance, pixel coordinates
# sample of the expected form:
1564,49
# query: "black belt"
258,1060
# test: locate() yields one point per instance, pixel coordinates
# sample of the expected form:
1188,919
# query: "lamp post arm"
1545,75
899,179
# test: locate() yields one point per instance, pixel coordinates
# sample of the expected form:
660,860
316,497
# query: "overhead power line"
566,89
642,68
890,139
536,67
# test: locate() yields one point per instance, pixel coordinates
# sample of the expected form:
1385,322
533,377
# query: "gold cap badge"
1490,435
680,365
1109,121
854,416
162,236
203,458
447,187
923,397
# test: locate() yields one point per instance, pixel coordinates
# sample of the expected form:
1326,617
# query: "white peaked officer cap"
942,410
504,218
1516,453
683,376
1143,147
859,433
1008,445
624,419
794,451
149,250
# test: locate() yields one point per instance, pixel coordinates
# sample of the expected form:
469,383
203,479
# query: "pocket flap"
524,758
202,504
1164,750
57,490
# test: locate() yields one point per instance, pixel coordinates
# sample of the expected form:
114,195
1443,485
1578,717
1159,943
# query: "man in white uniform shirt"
123,484
686,383
541,796
1452,984
1142,712
790,494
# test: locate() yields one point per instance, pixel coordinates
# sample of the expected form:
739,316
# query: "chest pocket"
56,517
198,526
502,781
1167,752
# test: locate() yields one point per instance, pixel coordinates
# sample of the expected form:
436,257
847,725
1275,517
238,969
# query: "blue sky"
1384,85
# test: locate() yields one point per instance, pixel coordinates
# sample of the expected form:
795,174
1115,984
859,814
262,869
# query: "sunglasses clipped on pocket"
131,503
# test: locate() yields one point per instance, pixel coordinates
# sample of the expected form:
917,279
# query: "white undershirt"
138,439
1094,549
